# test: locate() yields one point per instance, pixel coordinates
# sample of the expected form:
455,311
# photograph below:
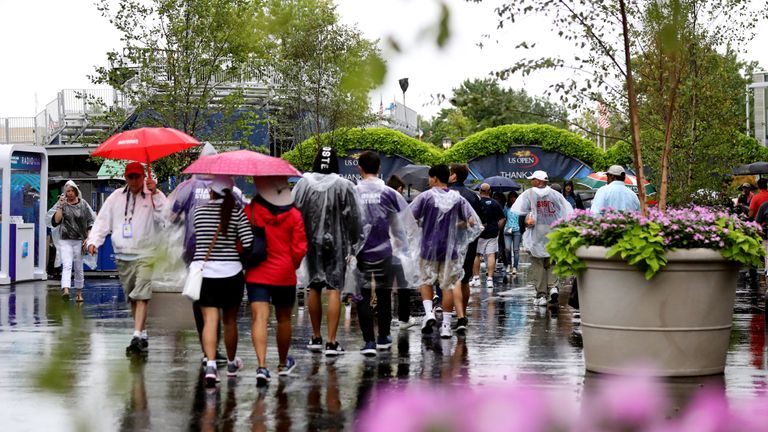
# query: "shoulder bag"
195,275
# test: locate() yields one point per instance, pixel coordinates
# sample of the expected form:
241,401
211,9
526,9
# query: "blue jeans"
512,244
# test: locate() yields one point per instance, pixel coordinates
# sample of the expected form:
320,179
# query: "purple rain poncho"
331,215
448,225
389,229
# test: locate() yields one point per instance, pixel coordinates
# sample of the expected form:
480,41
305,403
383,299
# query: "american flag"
602,118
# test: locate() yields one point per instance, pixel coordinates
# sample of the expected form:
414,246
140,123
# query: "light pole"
404,86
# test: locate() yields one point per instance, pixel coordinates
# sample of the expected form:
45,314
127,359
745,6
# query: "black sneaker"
461,326
137,346
369,349
333,349
553,297
316,344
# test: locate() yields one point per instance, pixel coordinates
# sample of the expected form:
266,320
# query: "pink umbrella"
242,163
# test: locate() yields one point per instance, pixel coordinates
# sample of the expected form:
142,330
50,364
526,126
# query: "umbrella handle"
149,176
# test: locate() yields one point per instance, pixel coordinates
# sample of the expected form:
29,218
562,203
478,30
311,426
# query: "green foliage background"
385,141
499,139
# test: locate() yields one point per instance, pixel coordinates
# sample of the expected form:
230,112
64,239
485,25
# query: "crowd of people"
362,242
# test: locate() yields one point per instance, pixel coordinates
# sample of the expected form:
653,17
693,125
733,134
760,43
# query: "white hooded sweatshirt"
550,205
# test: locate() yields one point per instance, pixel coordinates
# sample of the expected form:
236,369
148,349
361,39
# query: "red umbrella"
242,163
145,145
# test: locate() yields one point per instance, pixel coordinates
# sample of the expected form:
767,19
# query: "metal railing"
17,130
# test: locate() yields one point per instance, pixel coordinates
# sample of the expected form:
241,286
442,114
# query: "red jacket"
286,243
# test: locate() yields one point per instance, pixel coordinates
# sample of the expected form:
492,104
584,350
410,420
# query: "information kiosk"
23,189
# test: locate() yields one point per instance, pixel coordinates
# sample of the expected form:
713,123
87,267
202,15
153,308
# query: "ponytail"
227,206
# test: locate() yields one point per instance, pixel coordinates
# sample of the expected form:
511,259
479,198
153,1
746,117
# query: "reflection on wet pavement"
67,361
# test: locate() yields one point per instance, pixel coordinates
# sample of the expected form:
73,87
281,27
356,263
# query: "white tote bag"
193,283
195,275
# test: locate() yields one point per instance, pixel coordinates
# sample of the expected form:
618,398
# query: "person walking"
219,226
760,198
448,224
332,220
512,235
274,279
74,219
133,215
543,206
615,195
492,219
390,229
460,297
189,195
404,320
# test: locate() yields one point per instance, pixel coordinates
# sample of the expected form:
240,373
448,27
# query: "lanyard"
133,208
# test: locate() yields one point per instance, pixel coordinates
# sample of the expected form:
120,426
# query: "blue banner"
389,164
521,161
26,161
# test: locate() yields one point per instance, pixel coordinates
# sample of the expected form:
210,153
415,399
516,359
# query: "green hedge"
385,141
619,154
550,138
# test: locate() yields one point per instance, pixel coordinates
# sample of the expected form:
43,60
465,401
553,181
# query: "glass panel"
25,192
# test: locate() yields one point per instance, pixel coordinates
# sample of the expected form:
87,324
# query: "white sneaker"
553,295
474,282
509,269
445,331
427,322
407,324
540,301
514,270
489,282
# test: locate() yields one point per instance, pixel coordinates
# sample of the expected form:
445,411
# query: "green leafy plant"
550,138
644,241
385,141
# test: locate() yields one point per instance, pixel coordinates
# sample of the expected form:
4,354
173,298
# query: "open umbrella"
414,176
145,145
599,179
242,163
500,184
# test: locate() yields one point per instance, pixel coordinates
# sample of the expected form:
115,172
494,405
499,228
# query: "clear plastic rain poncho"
332,222
56,231
390,233
550,206
448,225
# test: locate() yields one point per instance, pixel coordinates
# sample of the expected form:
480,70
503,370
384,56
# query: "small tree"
326,69
610,38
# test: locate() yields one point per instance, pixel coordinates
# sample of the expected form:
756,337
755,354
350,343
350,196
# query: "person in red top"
759,199
274,279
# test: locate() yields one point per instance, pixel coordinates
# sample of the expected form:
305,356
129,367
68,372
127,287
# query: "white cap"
539,175
221,182
615,170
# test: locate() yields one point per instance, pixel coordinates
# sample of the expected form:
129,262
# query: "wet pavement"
64,366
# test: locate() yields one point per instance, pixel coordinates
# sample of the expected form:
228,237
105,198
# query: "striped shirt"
207,221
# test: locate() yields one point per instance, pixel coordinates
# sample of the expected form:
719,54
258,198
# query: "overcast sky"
49,45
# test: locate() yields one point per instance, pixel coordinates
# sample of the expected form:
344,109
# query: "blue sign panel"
389,164
521,161
26,161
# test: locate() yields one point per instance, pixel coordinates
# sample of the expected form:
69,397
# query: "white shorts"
446,273
487,246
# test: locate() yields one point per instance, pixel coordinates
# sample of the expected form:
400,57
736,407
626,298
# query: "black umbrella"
414,176
500,184
751,169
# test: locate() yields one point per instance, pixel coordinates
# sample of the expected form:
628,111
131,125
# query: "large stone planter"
678,323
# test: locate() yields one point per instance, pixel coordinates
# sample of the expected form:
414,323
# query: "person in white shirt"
133,215
543,205
615,195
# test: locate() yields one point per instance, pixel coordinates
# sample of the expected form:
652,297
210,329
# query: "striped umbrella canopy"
600,178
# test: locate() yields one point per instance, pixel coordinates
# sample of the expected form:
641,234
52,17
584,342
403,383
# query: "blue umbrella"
500,184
